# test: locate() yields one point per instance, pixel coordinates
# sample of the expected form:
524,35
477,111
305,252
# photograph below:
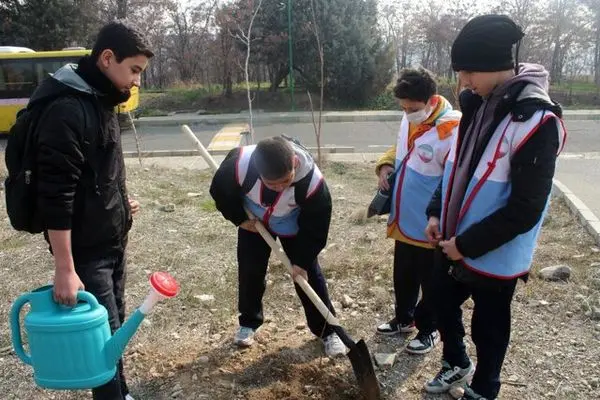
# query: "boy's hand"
450,249
249,225
384,171
66,284
432,231
134,205
298,271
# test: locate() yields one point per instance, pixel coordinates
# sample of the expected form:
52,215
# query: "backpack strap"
251,177
89,138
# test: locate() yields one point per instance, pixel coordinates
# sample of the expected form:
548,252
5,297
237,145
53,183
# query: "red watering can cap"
164,284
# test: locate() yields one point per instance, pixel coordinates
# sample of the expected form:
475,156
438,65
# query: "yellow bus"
22,69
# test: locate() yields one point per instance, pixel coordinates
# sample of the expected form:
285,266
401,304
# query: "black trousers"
105,279
413,269
253,257
490,325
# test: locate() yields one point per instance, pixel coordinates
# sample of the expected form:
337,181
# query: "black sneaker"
423,343
393,327
471,395
449,377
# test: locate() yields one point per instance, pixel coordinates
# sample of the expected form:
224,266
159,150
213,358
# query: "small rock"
385,360
216,337
595,265
203,359
594,382
194,377
146,169
194,194
569,314
177,387
176,393
205,298
176,335
543,303
168,207
347,301
225,384
580,298
354,314
597,327
595,283
456,392
555,273
595,249
470,304
596,313
579,256
300,326
379,293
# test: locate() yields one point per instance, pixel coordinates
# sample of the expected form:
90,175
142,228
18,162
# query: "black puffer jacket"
81,171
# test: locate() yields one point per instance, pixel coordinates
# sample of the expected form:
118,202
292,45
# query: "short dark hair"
274,157
123,39
415,84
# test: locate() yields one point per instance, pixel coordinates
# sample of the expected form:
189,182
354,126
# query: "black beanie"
485,44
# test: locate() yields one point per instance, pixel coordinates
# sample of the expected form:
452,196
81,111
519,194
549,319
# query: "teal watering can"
72,348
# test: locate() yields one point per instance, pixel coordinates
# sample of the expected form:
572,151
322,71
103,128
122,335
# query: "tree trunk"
597,51
279,75
121,9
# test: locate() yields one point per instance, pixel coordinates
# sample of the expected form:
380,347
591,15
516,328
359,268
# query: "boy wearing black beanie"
487,212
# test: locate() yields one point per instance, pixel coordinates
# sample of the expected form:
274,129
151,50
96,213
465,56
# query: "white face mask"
419,116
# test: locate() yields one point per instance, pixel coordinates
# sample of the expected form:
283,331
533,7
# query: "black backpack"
20,186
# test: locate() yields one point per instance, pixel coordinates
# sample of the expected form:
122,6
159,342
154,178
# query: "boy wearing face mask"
277,181
423,142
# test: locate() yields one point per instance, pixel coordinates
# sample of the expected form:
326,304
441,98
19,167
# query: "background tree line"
364,41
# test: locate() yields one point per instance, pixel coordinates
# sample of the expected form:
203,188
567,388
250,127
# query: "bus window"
19,78
49,66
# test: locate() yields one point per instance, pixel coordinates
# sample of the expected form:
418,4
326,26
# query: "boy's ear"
296,161
106,57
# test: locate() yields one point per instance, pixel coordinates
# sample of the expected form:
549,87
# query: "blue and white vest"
281,217
420,171
489,190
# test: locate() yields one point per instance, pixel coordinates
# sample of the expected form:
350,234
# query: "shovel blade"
362,364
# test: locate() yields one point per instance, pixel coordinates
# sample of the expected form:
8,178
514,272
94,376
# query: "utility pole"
291,54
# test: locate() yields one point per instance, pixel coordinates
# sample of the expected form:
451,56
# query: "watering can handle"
88,298
15,327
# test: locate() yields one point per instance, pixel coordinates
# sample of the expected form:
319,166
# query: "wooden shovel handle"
280,254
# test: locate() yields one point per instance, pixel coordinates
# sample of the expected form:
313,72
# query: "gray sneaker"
244,336
470,394
448,377
423,343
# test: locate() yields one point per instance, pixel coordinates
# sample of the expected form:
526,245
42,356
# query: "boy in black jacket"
278,182
82,196
487,213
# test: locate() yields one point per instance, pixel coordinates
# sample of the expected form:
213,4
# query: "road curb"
306,117
190,153
587,217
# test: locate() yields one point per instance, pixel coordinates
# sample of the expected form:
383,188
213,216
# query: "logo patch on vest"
425,152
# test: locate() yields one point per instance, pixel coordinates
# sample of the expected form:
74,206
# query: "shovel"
358,353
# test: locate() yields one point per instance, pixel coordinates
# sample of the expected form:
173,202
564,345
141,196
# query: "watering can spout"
163,286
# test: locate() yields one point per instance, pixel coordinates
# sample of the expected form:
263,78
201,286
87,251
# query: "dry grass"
184,349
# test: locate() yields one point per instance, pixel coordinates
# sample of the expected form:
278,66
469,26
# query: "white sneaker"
334,346
244,337
129,397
